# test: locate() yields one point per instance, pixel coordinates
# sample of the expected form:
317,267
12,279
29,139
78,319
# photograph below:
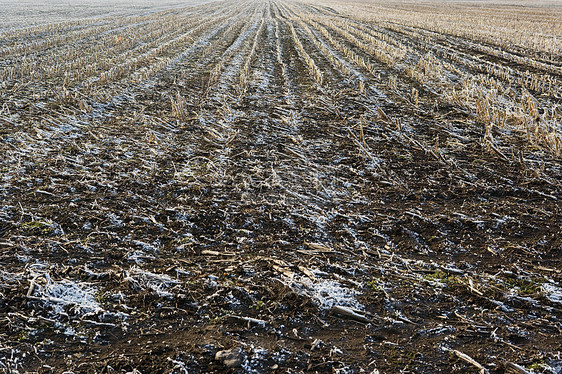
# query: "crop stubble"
192,179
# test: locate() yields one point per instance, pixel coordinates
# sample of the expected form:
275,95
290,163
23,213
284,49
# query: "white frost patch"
552,292
555,367
139,256
325,293
81,296
10,277
142,279
254,364
146,247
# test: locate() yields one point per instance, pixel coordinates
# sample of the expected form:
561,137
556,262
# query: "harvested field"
281,186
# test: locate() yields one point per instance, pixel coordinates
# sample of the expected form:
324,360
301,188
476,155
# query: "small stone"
233,363
231,358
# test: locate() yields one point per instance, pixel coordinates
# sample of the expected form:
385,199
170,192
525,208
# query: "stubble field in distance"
310,186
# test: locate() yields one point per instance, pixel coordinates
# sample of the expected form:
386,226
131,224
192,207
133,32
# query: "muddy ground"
315,228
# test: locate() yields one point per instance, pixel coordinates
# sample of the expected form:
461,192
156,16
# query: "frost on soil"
58,295
552,292
324,292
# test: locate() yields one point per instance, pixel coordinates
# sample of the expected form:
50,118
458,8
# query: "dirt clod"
231,358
